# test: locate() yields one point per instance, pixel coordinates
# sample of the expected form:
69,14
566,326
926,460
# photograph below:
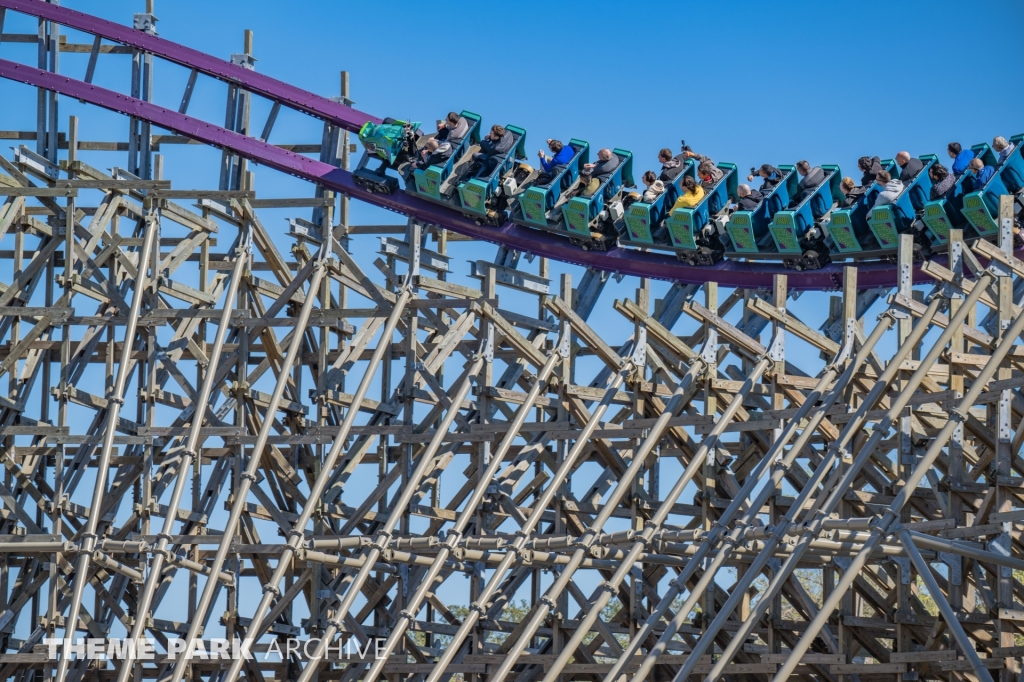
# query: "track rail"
617,260
321,107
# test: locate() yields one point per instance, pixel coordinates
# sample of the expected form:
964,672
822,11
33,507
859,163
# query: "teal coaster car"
1012,170
693,232
534,206
795,229
391,145
438,182
483,198
848,227
642,223
942,215
583,216
889,221
748,230
981,203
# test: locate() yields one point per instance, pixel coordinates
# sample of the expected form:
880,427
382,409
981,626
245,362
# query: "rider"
749,199
452,129
497,144
434,153
561,156
770,177
606,164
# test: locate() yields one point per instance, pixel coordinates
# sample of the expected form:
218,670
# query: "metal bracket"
906,282
709,352
403,573
1001,546
955,564
904,565
777,347
145,22
487,344
414,261
40,164
1006,236
565,339
246,61
849,337
640,347
1005,430
950,290
348,102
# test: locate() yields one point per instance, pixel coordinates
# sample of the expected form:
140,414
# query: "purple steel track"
336,113
625,261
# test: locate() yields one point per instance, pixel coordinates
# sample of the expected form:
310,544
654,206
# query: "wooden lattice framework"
891,478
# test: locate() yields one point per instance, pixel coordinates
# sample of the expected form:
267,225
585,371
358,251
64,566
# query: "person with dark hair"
891,188
942,182
701,159
493,148
671,166
982,173
561,156
910,166
961,157
810,178
770,177
588,184
691,195
748,199
869,166
709,174
453,129
655,187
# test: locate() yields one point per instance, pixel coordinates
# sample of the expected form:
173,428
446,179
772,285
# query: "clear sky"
746,82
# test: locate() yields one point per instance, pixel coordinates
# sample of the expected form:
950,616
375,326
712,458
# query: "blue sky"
741,81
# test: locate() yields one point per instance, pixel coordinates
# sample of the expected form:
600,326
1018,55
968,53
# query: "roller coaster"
800,227
804,234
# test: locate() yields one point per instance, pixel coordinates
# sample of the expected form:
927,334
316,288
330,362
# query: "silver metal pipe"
608,589
814,402
188,453
295,537
948,614
249,475
114,403
838,480
373,552
101,559
469,510
479,607
957,416
951,546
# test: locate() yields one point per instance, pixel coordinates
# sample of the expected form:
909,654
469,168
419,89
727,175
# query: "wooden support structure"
213,428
